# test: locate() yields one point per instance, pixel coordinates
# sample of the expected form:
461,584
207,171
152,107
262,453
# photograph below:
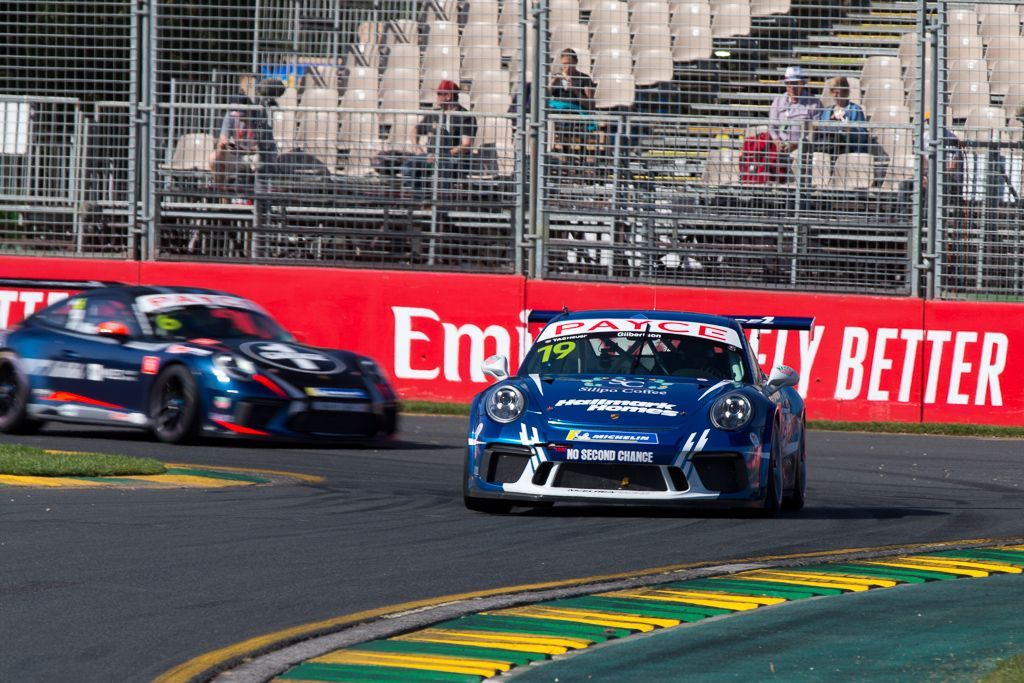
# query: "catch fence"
306,131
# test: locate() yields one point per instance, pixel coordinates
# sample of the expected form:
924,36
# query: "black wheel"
794,502
489,505
773,494
14,393
174,405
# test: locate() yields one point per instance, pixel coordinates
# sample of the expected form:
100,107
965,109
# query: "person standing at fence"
246,136
840,133
791,113
442,140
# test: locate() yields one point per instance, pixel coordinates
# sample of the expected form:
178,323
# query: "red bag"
759,161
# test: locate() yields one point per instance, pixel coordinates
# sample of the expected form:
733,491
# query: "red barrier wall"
869,358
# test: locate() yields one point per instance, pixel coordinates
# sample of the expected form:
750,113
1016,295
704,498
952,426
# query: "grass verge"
432,408
22,460
1008,671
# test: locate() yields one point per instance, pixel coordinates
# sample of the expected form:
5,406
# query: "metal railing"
656,175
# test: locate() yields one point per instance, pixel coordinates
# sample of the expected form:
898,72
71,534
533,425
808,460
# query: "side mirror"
112,328
300,337
781,376
496,367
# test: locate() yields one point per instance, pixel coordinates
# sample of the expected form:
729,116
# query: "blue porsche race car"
183,362
639,407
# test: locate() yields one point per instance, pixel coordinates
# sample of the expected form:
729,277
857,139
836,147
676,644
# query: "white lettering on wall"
938,339
453,336
880,363
851,363
913,339
405,335
991,365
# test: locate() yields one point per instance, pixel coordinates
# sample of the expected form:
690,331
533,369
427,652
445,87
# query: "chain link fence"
755,143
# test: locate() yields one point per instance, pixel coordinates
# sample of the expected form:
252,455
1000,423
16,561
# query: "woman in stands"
839,139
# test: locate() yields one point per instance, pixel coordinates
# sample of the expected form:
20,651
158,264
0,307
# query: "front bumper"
517,472
305,419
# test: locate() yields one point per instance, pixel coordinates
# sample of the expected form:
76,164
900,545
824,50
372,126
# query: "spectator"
246,135
569,89
835,138
450,133
953,160
791,112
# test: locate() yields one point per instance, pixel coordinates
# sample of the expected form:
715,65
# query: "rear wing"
545,316
772,322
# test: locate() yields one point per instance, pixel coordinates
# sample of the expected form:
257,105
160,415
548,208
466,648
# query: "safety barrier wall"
869,358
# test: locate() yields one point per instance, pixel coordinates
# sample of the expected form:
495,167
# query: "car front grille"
256,414
723,472
610,477
504,463
334,423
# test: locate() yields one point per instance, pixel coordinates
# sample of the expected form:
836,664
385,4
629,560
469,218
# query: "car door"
99,370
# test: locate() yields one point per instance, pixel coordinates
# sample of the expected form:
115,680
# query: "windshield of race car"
194,322
636,353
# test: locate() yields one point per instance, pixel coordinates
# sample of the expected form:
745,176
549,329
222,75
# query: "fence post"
141,205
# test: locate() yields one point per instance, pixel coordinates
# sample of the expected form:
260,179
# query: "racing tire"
794,502
14,396
174,406
488,505
773,494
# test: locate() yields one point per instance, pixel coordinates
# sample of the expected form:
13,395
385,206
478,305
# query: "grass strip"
436,408
1008,671
18,459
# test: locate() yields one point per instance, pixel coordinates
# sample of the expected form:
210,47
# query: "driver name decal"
151,303
611,405
611,437
684,327
609,455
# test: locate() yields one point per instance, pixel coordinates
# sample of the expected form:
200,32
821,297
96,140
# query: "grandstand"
653,192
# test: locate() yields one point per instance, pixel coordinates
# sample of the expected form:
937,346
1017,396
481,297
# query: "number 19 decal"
561,350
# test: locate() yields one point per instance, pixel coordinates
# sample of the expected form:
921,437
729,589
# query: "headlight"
731,412
505,404
239,368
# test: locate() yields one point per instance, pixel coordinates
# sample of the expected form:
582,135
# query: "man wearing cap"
443,139
246,135
792,111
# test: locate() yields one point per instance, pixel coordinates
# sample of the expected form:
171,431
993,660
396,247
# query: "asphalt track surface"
122,585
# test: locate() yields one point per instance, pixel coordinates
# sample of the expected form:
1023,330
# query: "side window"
57,314
85,318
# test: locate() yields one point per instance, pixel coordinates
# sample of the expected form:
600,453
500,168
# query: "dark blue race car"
184,362
641,407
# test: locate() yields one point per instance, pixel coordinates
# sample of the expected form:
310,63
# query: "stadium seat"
722,167
1005,57
878,67
653,51
730,19
609,27
881,93
691,30
765,8
821,170
563,12
284,120
508,28
962,22
482,12
318,125
366,50
984,123
192,152
964,47
496,133
966,96
997,20
652,41
852,171
404,56
442,58
895,141
615,61
479,35
615,91
359,133
489,92
480,59
400,125
362,83
892,114
1013,101
694,44
899,170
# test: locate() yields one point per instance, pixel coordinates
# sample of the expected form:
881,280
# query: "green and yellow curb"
176,476
476,647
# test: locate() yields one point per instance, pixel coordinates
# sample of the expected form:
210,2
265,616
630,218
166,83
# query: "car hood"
624,402
298,364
